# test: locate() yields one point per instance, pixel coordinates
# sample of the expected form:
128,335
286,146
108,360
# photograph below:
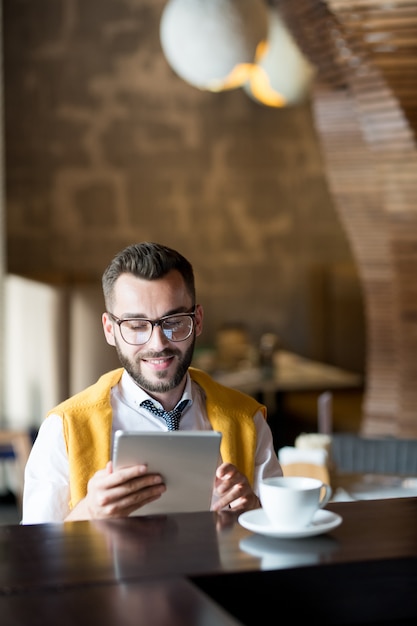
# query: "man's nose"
158,338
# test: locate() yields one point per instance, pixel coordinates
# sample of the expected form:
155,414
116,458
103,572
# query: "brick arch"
365,108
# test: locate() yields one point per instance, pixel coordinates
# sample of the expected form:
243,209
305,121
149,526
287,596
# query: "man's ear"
108,328
198,319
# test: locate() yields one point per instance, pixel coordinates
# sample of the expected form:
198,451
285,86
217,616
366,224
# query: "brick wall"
105,146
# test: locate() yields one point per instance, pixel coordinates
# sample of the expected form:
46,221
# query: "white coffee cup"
290,502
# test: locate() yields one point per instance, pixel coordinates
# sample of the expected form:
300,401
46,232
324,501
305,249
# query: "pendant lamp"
212,44
282,75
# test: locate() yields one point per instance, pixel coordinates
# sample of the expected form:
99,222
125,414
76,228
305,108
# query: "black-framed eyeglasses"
137,330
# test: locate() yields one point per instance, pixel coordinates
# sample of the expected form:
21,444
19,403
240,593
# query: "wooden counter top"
366,568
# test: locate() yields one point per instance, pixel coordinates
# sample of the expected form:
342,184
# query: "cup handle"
326,496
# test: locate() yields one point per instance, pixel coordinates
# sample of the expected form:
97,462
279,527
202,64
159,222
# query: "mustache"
159,355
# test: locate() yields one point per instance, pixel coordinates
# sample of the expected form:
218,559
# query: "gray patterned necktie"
172,418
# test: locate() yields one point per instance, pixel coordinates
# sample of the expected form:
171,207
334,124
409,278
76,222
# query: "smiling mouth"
158,361
162,360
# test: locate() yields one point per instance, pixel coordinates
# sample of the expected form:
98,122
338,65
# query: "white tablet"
187,460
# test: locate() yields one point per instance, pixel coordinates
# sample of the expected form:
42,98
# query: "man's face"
160,364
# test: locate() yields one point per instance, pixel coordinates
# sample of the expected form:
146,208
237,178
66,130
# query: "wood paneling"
365,104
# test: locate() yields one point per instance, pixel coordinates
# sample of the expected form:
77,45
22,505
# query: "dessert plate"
257,522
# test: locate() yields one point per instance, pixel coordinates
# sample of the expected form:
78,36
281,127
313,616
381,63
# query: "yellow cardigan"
87,422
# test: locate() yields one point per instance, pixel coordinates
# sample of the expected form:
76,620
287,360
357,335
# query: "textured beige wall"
105,146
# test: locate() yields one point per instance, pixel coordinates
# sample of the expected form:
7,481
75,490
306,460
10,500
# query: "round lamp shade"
283,75
205,40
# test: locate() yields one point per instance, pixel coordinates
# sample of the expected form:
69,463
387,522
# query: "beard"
133,368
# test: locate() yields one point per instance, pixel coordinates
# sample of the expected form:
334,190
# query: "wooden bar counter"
203,569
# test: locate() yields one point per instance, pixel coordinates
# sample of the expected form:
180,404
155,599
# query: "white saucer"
257,522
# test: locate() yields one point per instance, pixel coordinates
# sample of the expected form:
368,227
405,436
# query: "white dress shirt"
47,483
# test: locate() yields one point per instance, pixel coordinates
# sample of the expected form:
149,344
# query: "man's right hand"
117,493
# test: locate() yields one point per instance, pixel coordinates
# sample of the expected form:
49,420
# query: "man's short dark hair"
149,261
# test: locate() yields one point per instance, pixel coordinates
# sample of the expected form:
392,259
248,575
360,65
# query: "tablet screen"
187,460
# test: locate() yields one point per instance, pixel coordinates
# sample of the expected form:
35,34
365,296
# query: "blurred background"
299,219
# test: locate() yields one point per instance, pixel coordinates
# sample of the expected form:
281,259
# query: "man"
153,320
